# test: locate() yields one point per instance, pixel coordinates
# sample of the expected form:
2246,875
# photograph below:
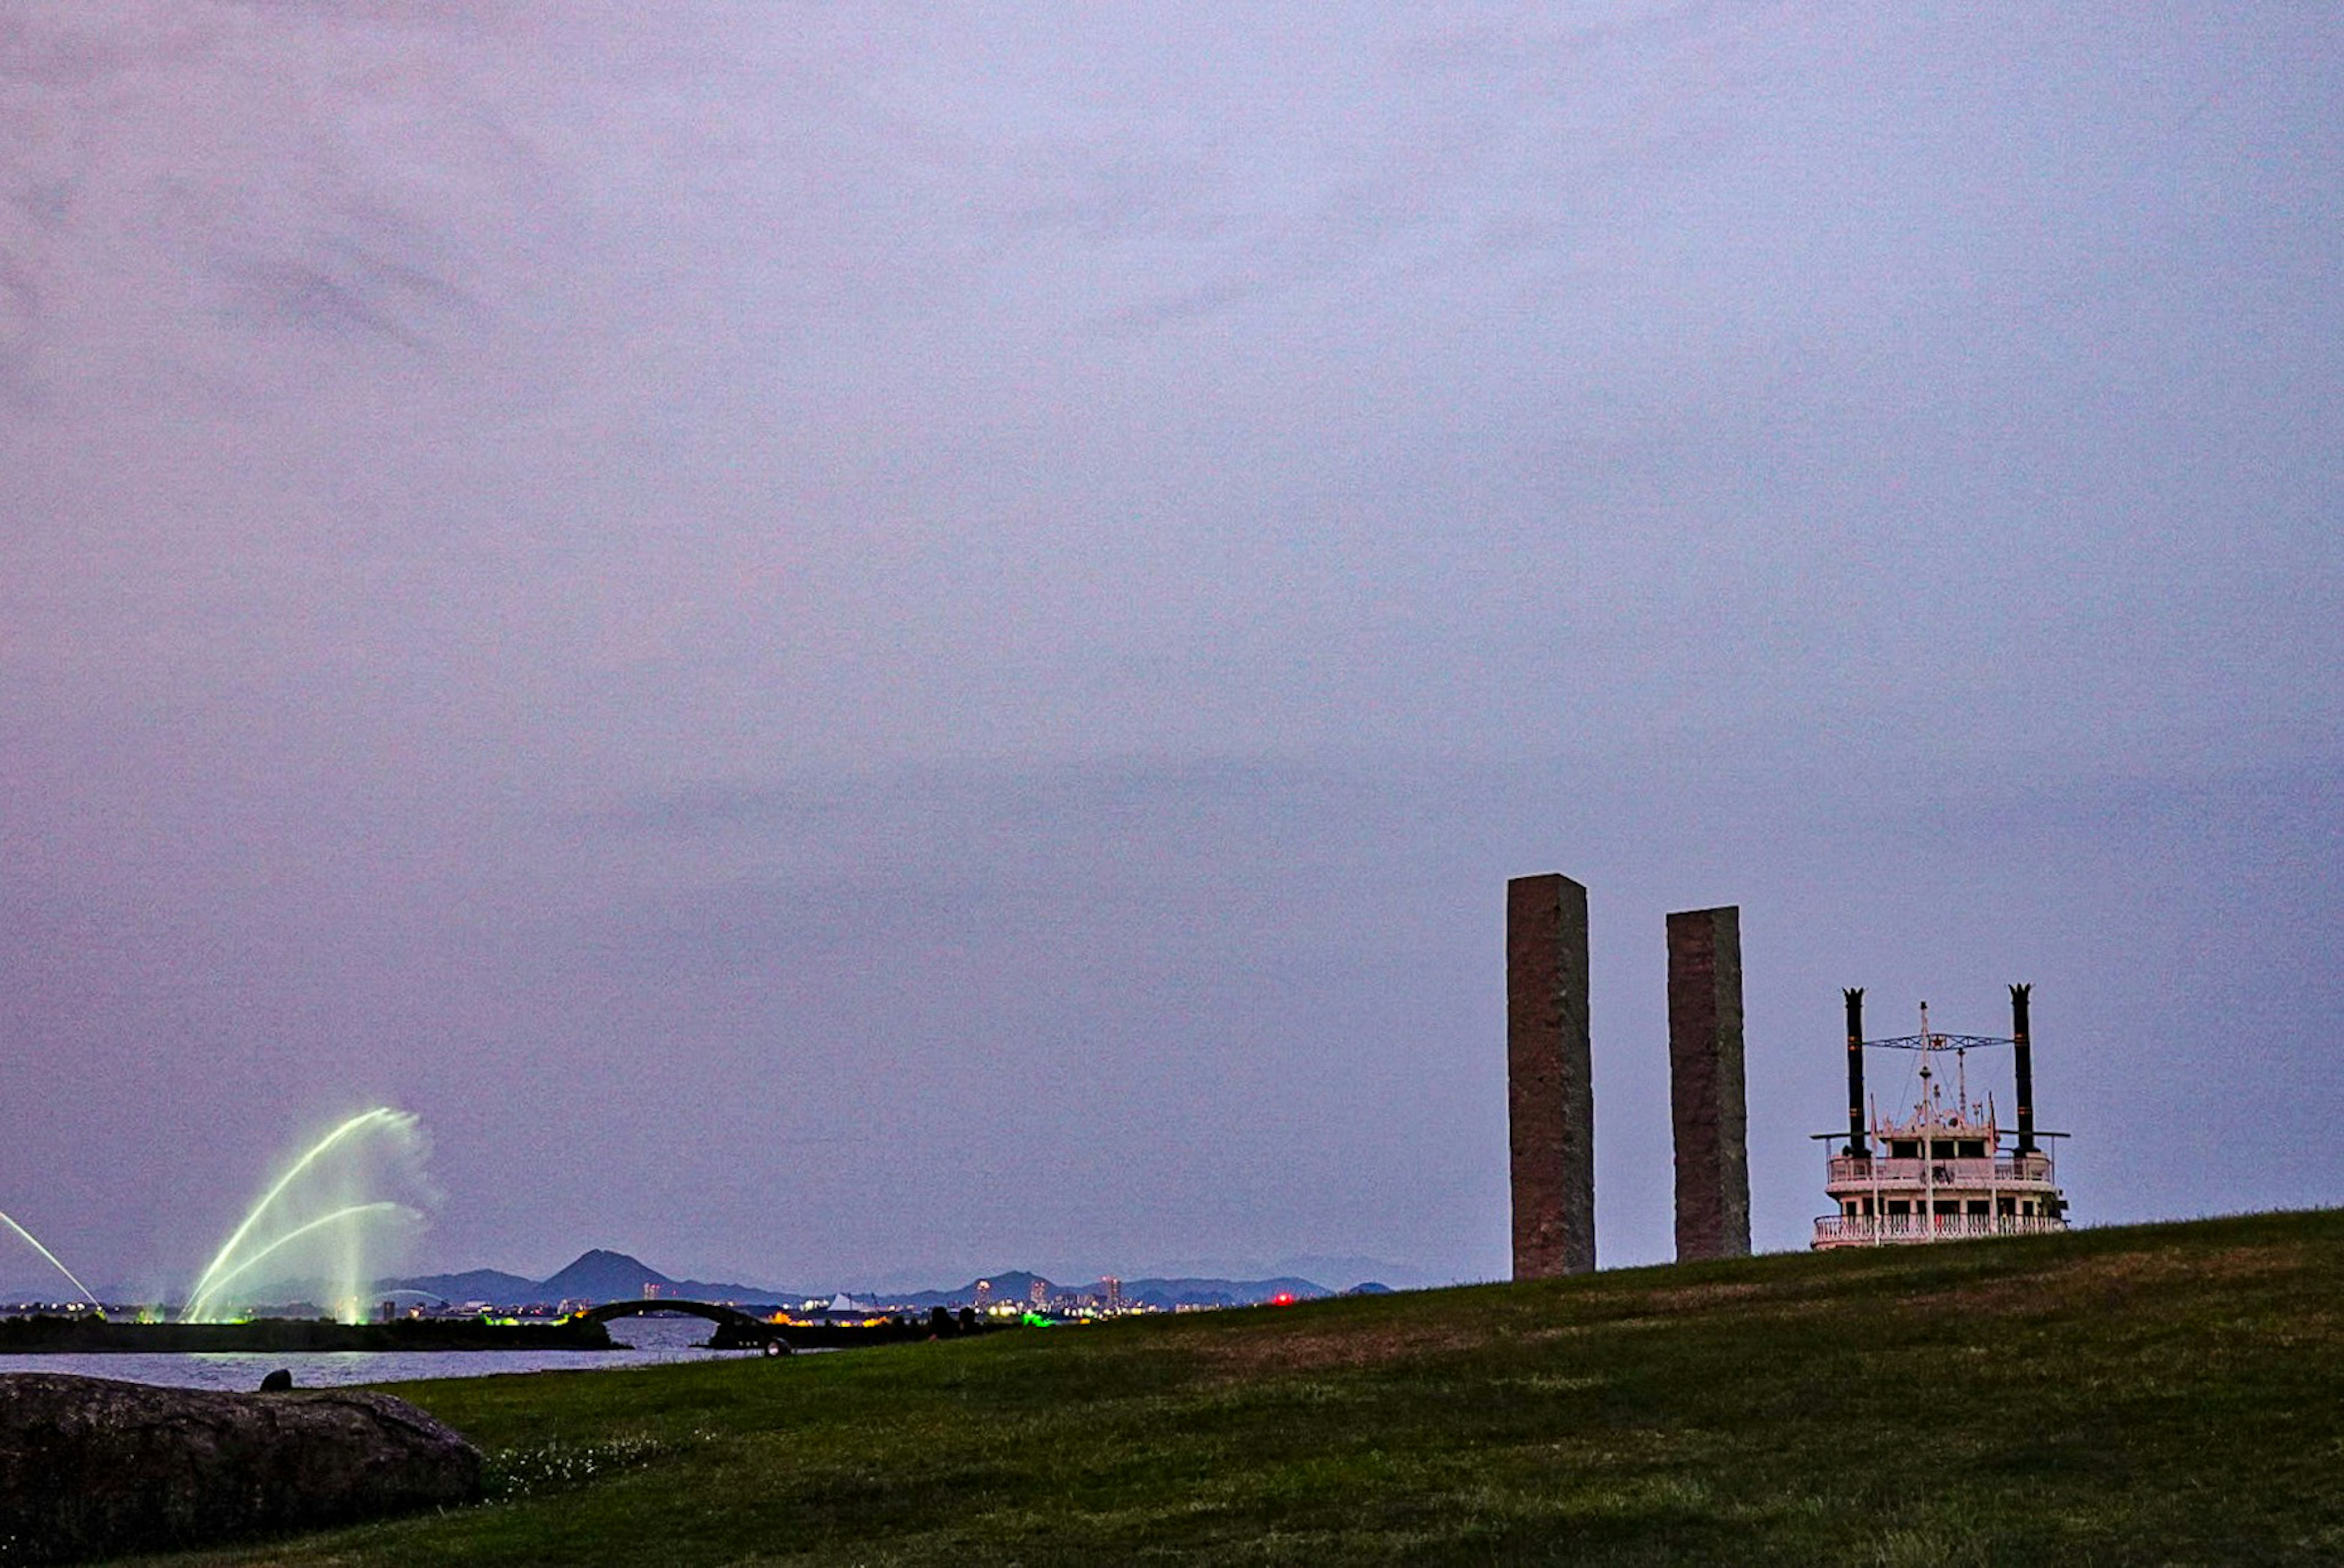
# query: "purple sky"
860,643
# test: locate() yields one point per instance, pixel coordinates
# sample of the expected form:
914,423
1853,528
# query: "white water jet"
36,1242
348,1211
326,1208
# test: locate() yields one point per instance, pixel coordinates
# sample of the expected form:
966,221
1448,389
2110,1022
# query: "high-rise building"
984,1292
1038,1292
1111,1293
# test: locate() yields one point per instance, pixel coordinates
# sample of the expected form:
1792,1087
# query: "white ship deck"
1946,1171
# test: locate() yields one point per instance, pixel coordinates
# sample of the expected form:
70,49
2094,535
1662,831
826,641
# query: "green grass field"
2153,1395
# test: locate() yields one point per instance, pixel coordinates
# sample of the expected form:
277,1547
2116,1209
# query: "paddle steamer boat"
1946,1171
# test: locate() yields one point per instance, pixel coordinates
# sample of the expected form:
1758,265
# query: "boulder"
90,1467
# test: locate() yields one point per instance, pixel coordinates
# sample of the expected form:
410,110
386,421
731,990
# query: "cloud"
188,185
660,581
351,292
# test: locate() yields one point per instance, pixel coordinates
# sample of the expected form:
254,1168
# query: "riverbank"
2161,1393
638,1343
92,1336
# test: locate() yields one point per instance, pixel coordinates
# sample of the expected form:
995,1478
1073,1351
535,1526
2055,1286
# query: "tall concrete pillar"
1706,1101
1550,1087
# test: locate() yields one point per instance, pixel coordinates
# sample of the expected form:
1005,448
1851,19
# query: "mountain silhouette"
596,1275
601,1275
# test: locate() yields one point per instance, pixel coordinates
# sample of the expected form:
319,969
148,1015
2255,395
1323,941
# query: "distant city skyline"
601,1274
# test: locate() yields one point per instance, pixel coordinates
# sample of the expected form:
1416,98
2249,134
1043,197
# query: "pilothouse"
1942,1172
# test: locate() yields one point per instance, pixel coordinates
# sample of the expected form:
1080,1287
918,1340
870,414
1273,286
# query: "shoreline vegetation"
85,1335
2146,1394
100,1336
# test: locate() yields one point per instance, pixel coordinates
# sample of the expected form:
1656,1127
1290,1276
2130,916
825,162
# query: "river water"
646,1341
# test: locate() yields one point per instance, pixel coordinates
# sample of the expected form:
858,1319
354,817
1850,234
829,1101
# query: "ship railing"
1890,1227
1846,1170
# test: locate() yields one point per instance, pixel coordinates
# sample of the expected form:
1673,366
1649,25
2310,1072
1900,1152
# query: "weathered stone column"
1706,1102
1550,1088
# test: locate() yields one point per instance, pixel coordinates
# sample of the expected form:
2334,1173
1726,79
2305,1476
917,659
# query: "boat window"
1948,1206
1972,1148
1941,1149
1978,1206
1899,1206
1905,1148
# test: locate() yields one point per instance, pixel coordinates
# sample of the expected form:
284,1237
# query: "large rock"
90,1467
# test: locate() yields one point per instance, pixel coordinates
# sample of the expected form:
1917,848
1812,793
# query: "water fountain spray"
200,1306
52,1256
243,1250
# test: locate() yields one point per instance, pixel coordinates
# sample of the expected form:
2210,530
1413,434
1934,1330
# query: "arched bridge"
735,1330
609,1312
739,1330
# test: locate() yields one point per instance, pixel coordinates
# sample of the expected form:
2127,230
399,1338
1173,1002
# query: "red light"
1283,1298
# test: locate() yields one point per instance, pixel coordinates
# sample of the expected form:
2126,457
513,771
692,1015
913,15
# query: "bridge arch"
713,1311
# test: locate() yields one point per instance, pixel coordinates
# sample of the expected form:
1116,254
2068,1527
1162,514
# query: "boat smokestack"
1859,1146
2024,1051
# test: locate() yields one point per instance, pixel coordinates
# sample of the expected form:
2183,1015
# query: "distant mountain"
1014,1285
597,1275
601,1275
472,1285
1355,1266
1170,1293
740,1295
54,1290
1331,1267
1017,1285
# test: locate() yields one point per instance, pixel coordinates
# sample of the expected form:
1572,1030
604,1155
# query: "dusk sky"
856,644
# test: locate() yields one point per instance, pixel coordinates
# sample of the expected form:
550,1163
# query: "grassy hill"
2157,1394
